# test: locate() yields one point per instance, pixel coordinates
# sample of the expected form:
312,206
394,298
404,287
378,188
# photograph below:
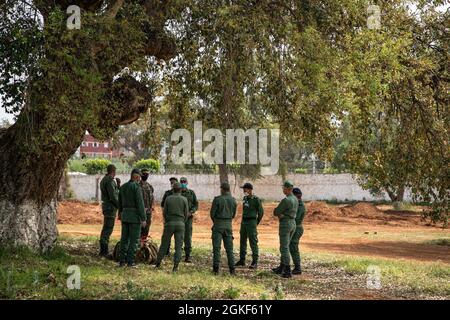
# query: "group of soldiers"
134,201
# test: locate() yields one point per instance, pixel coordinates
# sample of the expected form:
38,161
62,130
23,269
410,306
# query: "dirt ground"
362,229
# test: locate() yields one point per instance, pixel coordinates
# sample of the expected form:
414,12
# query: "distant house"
92,148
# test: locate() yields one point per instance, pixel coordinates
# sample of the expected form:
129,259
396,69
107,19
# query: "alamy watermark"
374,17
241,146
373,277
74,279
74,20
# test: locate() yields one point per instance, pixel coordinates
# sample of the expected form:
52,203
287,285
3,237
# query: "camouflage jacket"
147,194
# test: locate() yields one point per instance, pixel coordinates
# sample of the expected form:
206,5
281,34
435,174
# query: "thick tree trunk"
223,173
31,168
29,182
398,195
28,223
62,102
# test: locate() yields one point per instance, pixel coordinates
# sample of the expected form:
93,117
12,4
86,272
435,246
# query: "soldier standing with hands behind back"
132,215
286,212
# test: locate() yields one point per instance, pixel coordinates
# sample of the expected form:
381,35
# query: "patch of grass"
278,292
430,277
232,293
27,275
403,206
198,293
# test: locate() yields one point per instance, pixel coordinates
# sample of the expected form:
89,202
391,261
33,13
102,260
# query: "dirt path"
361,229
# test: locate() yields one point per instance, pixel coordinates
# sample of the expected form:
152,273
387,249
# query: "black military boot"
216,269
122,264
254,265
175,267
158,265
103,250
240,263
188,259
131,264
286,272
278,269
297,269
232,271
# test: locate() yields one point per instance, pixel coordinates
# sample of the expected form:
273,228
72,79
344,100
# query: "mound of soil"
362,210
321,211
76,212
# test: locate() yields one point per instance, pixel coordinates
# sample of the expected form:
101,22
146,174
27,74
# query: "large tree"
398,124
296,64
246,64
61,83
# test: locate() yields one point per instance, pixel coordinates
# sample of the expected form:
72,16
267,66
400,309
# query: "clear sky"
4,115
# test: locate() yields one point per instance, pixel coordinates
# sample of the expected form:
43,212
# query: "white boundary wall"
341,187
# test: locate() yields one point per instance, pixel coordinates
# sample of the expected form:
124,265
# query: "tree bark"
34,151
30,182
223,173
30,172
398,195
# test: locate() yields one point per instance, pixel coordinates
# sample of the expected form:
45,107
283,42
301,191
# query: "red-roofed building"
92,148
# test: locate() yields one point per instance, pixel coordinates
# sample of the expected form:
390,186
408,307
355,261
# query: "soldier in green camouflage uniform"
176,210
110,204
167,193
193,206
132,215
147,194
252,214
295,241
286,212
223,211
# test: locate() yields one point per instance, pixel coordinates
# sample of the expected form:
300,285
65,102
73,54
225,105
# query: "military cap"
136,171
247,185
183,179
296,191
288,184
173,178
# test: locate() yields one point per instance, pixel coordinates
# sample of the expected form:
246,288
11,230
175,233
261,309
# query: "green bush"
330,170
151,164
300,170
96,166
77,165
